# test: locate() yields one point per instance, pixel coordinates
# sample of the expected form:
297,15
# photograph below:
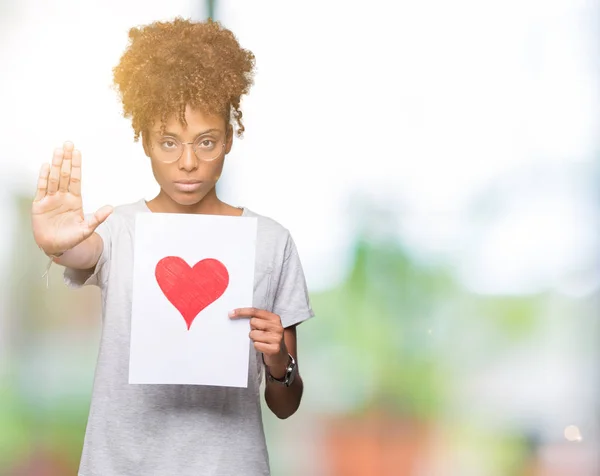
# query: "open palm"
57,212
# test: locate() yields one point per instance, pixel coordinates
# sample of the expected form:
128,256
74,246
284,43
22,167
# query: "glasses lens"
168,149
207,149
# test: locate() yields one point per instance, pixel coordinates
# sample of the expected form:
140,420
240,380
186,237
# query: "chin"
186,199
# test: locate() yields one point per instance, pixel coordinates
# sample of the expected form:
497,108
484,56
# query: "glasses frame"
153,145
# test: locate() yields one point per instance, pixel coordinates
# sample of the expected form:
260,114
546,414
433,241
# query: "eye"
168,144
206,144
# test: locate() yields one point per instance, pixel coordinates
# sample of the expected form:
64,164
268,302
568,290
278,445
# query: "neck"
209,205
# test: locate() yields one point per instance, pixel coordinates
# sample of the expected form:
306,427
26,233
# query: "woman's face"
186,179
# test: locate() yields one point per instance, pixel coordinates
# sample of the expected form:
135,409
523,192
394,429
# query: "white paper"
215,349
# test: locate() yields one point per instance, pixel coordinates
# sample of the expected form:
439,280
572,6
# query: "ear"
229,140
145,144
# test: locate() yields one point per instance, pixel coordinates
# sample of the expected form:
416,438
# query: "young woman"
181,84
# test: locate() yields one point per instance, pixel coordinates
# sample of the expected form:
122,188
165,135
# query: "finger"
248,312
54,177
263,336
101,214
65,170
263,324
75,179
267,349
42,183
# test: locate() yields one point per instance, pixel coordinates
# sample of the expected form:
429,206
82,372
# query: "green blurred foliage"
403,318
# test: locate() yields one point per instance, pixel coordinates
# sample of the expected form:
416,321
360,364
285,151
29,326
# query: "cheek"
158,172
217,171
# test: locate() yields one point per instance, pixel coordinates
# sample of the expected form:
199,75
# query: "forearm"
276,345
283,401
83,256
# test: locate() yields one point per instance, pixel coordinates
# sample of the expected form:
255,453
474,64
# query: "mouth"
187,185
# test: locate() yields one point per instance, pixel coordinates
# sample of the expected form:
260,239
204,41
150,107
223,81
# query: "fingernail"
231,313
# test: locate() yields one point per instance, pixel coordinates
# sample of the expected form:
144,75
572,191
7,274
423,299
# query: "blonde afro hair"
168,65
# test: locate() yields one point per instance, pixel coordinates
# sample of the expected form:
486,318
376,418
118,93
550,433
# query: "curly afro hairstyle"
168,65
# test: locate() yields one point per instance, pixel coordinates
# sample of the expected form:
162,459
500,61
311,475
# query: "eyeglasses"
169,149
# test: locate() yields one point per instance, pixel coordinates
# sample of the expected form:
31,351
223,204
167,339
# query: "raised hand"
57,212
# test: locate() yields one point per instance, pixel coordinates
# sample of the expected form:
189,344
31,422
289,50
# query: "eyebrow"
168,133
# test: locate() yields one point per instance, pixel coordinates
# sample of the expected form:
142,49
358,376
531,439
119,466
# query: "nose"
188,160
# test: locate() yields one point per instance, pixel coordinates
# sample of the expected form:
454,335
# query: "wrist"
53,254
277,371
277,365
282,375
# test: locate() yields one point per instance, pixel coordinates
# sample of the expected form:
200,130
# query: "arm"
269,336
275,343
284,401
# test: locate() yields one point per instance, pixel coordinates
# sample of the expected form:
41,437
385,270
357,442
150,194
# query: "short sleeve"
292,302
76,278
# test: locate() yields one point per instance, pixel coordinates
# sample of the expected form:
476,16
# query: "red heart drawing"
191,290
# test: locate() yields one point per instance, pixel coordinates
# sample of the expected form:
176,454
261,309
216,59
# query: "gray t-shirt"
179,430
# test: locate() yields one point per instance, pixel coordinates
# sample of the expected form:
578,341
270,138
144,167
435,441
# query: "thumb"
97,218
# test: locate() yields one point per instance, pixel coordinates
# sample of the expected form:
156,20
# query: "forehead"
196,122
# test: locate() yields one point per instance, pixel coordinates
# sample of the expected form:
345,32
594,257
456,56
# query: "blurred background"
437,164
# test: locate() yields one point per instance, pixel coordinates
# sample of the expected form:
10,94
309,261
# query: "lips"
187,185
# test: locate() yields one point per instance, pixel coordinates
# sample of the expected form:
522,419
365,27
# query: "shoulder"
271,235
267,224
126,213
131,209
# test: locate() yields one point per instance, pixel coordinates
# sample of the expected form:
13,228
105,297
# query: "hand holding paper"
266,333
